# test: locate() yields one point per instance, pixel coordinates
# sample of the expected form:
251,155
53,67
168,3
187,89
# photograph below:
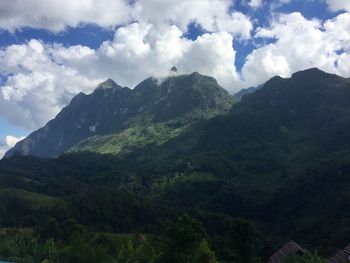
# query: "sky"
50,50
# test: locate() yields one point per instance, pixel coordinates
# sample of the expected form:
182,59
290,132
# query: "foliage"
186,241
26,249
244,239
307,258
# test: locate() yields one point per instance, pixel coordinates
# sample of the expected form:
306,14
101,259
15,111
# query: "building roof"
288,249
343,256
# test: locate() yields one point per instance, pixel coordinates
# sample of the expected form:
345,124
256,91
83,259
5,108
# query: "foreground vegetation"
73,203
182,240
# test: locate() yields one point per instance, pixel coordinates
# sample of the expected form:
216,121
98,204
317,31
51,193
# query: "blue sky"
46,60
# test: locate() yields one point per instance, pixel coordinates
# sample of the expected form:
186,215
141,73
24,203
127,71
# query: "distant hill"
239,95
309,108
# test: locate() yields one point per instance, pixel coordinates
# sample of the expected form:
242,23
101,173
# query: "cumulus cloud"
212,15
37,87
299,43
255,3
42,78
8,142
56,15
12,140
337,5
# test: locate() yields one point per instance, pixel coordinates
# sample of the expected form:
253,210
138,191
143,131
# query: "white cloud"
56,15
299,44
255,3
139,51
212,15
212,54
12,140
273,4
237,24
37,87
8,142
337,5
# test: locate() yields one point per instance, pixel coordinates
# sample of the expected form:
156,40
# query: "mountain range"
191,114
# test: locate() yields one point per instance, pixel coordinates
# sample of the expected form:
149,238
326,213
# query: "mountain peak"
196,74
108,84
311,72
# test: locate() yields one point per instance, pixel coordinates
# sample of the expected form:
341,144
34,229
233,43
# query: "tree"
307,258
186,240
29,249
244,235
60,230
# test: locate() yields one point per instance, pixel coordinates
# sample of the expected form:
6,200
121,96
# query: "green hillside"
36,199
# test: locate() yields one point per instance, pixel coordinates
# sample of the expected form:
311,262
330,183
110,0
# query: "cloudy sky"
52,49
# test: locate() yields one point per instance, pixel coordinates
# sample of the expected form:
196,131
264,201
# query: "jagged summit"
174,69
109,84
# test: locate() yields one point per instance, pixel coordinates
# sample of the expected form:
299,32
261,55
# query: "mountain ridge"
288,110
161,109
112,108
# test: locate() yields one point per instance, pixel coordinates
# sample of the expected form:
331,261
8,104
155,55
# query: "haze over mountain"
239,95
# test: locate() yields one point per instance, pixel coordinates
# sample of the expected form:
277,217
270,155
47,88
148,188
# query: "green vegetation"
307,258
130,139
36,199
184,240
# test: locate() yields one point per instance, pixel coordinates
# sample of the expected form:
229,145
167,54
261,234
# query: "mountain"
101,112
271,138
300,118
310,107
111,109
239,95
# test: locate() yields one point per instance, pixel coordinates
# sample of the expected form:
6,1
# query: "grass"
198,176
36,199
130,139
